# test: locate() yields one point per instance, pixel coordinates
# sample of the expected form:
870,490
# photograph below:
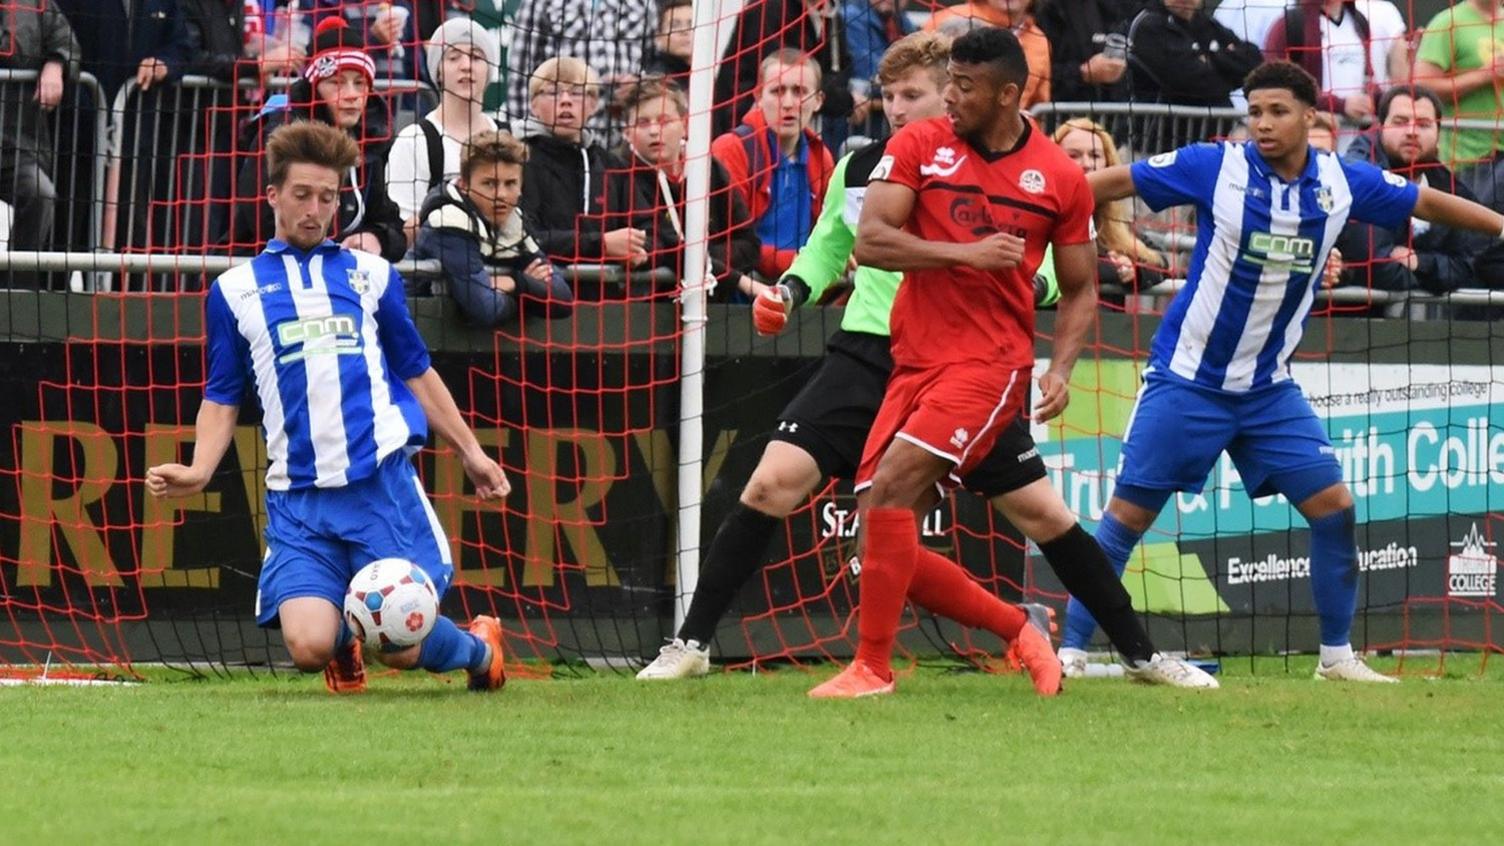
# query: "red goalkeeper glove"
770,311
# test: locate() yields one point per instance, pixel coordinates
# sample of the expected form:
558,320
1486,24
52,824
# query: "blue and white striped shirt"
1261,244
327,337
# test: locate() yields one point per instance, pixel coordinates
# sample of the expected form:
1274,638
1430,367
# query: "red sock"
943,587
888,561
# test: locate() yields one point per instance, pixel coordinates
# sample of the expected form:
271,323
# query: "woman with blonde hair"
1123,259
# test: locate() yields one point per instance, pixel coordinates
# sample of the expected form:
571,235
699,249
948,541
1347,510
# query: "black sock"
1086,573
734,555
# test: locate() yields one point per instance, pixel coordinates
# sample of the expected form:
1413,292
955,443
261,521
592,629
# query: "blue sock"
448,648
1334,575
1117,542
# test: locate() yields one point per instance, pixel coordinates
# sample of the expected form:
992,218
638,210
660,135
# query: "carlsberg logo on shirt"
1291,252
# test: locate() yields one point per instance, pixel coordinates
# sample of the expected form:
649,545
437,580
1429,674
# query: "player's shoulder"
237,284
859,164
1358,171
367,271
1041,151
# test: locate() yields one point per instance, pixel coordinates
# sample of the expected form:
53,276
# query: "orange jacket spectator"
749,157
955,20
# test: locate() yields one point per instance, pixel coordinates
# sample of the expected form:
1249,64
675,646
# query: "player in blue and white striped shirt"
1267,214
347,394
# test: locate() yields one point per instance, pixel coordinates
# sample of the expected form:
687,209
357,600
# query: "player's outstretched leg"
1334,585
785,477
1092,570
1084,569
943,587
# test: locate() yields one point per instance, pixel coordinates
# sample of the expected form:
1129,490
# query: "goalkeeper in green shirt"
821,432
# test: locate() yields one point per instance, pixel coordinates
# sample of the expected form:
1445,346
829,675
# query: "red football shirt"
1033,191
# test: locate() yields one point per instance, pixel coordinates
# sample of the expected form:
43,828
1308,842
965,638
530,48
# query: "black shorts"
831,416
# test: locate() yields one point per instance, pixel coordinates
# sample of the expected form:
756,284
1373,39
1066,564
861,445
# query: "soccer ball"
391,604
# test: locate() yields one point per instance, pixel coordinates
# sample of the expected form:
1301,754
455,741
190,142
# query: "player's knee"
776,491
1039,514
309,654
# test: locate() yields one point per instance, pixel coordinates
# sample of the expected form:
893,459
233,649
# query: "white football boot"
678,659
1352,670
1171,672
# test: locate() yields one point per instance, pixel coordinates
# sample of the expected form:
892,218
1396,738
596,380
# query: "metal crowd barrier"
151,195
1146,128
68,121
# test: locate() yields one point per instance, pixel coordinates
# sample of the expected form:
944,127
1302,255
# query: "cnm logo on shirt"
339,329
1283,252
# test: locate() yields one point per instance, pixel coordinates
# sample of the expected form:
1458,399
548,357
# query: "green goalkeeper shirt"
824,257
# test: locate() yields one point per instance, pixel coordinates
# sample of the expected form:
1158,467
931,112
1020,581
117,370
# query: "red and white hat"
336,48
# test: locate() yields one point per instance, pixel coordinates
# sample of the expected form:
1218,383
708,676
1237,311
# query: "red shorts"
955,412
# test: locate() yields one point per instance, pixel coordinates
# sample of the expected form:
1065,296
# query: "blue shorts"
1275,440
318,538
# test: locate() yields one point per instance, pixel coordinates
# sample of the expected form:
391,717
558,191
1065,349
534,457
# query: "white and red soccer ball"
391,604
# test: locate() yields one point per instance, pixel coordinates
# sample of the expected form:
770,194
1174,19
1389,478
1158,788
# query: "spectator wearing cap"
462,58
335,89
388,28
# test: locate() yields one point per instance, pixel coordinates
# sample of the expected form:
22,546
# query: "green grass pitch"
1273,757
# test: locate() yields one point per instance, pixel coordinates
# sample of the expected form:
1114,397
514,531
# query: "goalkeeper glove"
770,311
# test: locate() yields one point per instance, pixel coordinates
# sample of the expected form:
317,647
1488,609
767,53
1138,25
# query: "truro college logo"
1472,570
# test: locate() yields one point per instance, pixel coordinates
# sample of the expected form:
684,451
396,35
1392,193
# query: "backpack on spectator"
1295,33
434,141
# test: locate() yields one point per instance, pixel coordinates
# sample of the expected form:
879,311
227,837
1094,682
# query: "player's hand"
50,85
1124,267
1055,395
150,72
1103,70
1358,107
770,311
539,271
503,283
1405,256
998,251
1332,274
363,241
489,479
170,481
626,244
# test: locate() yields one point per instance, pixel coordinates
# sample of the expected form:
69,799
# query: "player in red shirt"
964,206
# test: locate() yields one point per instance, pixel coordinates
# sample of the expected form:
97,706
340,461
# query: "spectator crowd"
516,140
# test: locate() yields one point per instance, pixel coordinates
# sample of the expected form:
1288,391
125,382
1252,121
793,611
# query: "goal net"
630,408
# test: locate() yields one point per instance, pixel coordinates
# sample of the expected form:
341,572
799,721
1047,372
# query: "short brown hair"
309,142
491,147
790,57
929,50
651,88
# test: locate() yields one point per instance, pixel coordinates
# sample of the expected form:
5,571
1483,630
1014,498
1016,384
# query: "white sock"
1336,654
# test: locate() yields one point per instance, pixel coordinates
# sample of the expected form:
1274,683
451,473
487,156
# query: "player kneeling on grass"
347,395
1268,212
822,431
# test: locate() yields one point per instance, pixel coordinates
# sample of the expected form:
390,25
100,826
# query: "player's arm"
444,416
1111,184
407,358
821,261
211,438
1451,210
882,241
226,353
1076,274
